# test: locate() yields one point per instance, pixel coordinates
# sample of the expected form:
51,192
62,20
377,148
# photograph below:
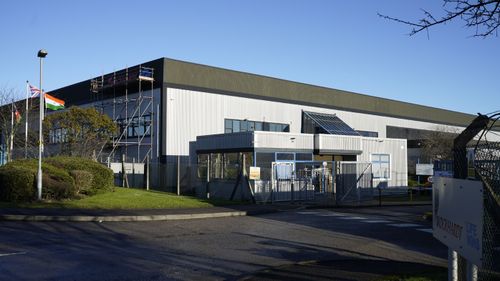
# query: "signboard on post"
458,216
254,173
425,169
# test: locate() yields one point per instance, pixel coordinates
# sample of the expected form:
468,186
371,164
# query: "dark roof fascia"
83,87
188,75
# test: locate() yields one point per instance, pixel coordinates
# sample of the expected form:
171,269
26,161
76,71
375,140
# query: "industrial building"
195,122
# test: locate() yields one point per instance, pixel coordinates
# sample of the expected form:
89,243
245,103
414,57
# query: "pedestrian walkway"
366,219
101,215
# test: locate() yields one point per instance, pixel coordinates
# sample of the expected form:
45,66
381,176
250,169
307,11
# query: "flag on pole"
53,102
17,115
35,92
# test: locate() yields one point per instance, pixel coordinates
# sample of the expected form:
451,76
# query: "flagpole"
26,124
41,54
11,145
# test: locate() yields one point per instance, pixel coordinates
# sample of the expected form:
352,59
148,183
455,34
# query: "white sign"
254,173
425,169
458,216
130,168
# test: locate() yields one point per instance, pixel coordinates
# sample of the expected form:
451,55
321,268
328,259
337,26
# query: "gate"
337,182
290,182
353,181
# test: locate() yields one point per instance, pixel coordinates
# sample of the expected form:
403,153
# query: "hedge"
17,184
83,181
102,177
63,177
18,181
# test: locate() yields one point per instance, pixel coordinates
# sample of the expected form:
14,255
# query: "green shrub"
83,181
57,188
102,177
56,182
412,183
17,184
60,174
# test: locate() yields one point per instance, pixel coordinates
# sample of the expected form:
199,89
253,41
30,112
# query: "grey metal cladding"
196,76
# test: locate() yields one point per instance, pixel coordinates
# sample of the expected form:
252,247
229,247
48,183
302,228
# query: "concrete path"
100,215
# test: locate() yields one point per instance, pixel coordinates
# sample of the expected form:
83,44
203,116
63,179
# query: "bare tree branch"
483,15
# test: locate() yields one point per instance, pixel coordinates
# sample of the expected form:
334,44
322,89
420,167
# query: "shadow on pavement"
355,270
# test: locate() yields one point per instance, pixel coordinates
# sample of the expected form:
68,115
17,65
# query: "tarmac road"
223,248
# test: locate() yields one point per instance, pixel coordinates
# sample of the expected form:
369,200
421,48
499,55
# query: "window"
235,126
369,134
303,157
228,126
137,126
244,125
258,126
281,156
251,126
381,166
202,166
58,135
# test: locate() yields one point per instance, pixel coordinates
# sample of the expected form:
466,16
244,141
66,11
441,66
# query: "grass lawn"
127,198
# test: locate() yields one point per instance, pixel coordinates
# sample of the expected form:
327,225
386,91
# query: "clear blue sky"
332,43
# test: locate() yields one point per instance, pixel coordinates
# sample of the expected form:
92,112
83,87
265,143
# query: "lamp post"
41,54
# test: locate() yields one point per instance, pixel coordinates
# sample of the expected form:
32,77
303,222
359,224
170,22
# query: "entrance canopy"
277,141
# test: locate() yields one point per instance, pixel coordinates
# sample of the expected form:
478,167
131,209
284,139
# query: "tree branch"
480,14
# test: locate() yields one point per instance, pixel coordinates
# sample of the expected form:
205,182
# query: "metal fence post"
178,175
460,171
146,172
207,188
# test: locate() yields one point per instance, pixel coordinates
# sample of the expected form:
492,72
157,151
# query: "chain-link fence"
486,164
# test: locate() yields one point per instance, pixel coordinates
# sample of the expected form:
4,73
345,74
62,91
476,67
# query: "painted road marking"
308,213
331,215
378,221
405,225
12,254
428,230
353,218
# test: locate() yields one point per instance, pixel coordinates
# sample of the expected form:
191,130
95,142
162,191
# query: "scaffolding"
132,112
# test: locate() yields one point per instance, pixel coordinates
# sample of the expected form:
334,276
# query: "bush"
412,183
102,177
60,174
19,181
83,181
17,184
57,188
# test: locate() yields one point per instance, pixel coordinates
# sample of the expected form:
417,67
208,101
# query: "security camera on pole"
41,54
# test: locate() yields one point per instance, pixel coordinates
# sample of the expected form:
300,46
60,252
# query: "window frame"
379,162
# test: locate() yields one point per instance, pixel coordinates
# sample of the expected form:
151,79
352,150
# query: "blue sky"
331,43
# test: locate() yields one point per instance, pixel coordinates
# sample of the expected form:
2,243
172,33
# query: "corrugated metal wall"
282,141
194,113
396,148
337,144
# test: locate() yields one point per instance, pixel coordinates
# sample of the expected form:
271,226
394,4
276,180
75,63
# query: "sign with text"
130,168
425,169
458,216
254,173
